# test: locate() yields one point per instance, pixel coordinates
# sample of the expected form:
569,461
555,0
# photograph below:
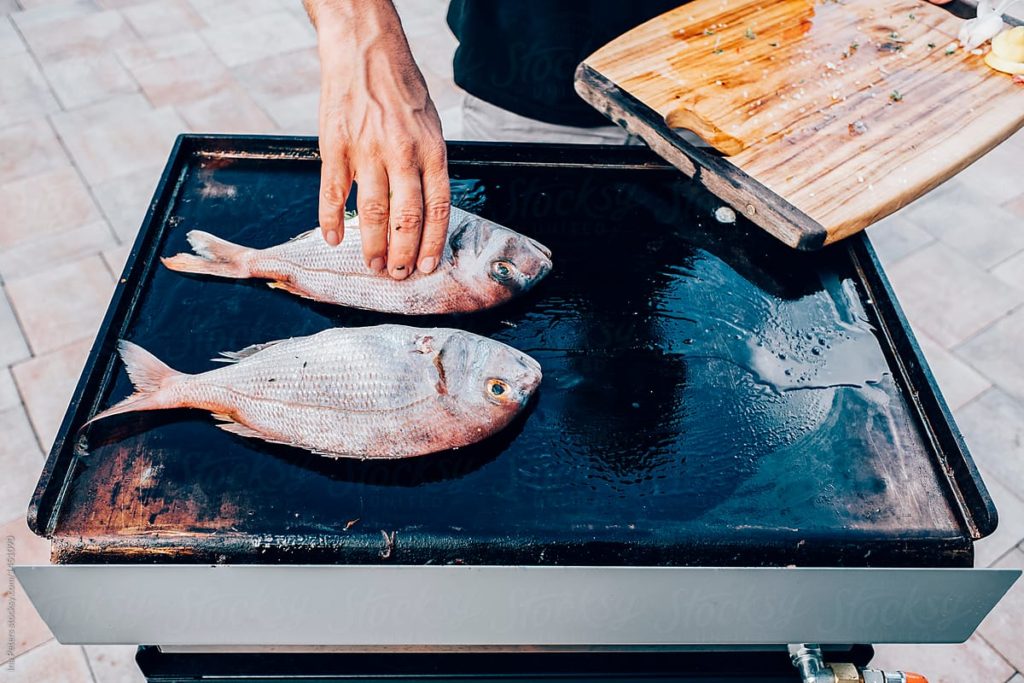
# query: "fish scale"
388,391
482,264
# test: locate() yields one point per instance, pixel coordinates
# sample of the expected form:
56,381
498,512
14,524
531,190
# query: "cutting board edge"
999,131
744,193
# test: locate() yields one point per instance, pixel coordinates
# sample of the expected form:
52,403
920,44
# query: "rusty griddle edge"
974,504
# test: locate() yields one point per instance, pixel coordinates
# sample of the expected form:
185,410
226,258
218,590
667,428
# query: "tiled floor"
92,93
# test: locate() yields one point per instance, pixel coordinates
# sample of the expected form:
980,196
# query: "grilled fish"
483,264
388,391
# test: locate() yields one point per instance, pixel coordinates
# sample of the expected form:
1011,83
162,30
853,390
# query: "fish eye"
502,270
497,387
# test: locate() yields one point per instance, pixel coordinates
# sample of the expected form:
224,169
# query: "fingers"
335,181
437,202
406,221
372,203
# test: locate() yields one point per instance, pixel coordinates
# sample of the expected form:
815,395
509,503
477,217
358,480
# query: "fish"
483,264
379,392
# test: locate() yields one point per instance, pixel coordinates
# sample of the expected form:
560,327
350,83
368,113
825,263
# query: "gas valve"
809,662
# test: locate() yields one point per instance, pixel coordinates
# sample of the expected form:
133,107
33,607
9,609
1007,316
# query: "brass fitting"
808,660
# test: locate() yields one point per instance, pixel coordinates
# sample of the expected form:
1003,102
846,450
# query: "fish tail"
149,375
213,256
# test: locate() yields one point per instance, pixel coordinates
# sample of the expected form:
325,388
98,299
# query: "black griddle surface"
709,396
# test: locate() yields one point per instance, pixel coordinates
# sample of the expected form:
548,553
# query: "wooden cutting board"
831,114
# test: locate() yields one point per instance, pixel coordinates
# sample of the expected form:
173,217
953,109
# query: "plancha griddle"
709,396
734,444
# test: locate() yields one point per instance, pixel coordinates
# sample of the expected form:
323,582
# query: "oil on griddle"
705,390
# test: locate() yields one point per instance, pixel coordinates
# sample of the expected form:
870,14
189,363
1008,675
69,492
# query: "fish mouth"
541,248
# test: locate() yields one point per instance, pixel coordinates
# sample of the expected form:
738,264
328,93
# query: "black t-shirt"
521,54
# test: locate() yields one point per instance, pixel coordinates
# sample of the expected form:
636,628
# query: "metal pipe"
808,660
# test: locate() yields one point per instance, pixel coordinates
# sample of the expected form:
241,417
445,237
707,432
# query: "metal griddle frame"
561,608
973,502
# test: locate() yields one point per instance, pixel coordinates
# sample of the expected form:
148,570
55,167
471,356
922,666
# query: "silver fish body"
483,264
388,391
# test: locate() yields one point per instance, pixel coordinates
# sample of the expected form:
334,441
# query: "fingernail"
332,238
377,264
399,272
428,264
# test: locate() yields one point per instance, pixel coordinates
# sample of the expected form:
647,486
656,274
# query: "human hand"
378,126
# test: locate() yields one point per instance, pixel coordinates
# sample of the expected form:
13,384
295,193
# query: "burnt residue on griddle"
709,396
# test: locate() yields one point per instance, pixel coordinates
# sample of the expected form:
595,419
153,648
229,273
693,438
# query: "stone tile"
1011,271
55,249
119,136
125,200
969,222
1009,532
9,6
9,396
1017,678
947,296
280,76
42,205
10,41
51,663
958,381
29,148
215,12
162,17
24,93
84,80
62,304
993,425
895,237
73,31
46,383
229,111
1004,626
974,660
175,69
296,115
1015,205
20,461
296,8
997,353
119,4
114,663
14,346
39,12
29,630
997,174
116,257
259,38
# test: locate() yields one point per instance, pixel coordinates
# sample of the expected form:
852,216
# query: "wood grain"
846,111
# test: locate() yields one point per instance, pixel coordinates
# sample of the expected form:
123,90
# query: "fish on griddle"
388,391
483,264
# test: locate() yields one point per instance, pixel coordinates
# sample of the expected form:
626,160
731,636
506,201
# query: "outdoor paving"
92,94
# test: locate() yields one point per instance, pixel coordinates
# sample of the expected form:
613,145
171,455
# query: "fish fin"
303,235
240,429
288,287
148,374
228,424
235,356
213,256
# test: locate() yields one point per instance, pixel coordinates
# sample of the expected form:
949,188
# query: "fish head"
490,380
495,263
